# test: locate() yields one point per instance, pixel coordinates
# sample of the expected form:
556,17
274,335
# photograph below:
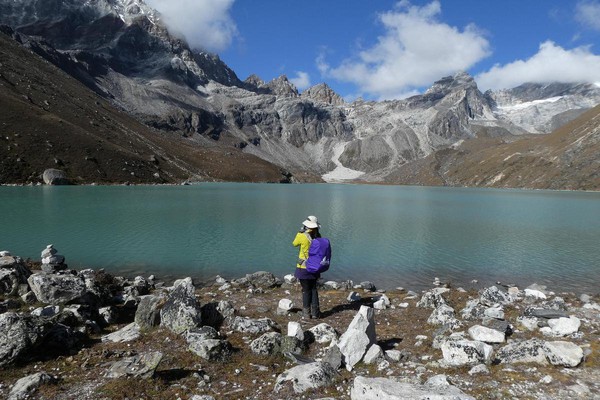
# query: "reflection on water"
391,235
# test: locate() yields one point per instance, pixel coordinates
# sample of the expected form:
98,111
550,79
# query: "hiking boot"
306,313
315,313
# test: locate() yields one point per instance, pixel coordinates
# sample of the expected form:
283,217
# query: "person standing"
308,280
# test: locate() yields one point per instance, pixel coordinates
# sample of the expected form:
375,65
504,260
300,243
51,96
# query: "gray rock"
585,298
564,354
334,357
388,389
20,334
29,298
529,323
201,333
285,305
306,377
253,326
498,325
431,299
49,251
291,344
353,297
545,313
473,310
480,369
528,351
444,315
494,312
492,296
295,330
267,345
382,303
57,289
13,273
533,293
205,342
323,333
359,336
48,311
564,326
55,177
260,279
397,355
466,352
147,314
331,285
487,335
108,315
54,260
211,349
128,333
139,366
374,354
24,387
368,286
181,310
215,314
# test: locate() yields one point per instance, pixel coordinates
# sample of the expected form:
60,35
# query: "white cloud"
551,63
301,81
587,12
206,24
415,50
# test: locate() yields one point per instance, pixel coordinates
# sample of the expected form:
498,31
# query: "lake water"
390,235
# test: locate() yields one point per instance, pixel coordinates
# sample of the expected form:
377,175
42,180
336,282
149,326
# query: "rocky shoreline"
68,334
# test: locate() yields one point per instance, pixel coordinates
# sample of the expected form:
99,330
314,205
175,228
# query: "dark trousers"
310,296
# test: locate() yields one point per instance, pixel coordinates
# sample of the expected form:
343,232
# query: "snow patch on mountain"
340,173
527,104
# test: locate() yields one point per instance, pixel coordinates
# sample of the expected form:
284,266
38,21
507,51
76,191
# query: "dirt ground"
181,374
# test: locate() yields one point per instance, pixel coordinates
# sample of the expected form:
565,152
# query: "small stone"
479,369
285,305
295,330
564,326
487,335
535,294
585,298
353,297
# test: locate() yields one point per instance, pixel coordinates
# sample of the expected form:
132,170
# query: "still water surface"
391,235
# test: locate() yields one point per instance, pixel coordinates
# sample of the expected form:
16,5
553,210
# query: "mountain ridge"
124,53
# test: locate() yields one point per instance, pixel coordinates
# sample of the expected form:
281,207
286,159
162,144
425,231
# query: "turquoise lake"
390,235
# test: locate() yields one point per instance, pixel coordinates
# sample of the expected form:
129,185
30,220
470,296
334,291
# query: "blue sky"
391,49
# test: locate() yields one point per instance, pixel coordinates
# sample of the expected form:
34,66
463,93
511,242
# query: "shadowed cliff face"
122,51
50,120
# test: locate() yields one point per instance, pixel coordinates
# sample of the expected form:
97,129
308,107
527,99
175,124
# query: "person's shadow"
354,306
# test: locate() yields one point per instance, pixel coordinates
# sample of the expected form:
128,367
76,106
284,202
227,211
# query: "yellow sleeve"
298,239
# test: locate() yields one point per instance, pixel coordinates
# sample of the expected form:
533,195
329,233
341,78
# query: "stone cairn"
52,261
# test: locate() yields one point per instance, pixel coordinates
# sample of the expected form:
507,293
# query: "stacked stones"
51,261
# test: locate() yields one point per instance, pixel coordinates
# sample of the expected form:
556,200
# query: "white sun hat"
310,224
314,219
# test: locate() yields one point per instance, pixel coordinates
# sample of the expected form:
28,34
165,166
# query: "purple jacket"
302,273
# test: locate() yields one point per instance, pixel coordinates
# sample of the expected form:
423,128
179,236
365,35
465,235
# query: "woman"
308,280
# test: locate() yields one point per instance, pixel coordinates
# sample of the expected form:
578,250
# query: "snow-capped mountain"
121,49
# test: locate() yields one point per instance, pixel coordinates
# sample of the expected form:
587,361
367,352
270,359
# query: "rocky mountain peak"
452,83
254,80
282,87
323,93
